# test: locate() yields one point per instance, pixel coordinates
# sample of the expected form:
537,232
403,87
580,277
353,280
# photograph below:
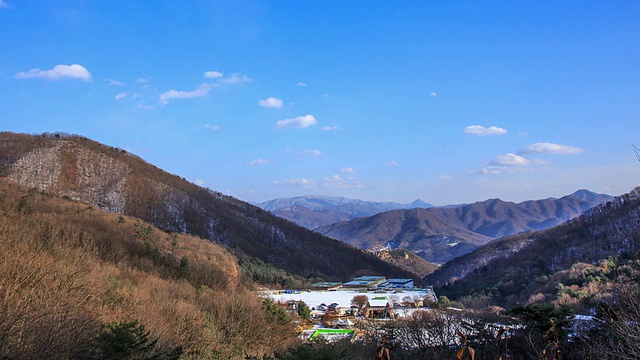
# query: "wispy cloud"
338,182
347,170
510,163
213,74
199,182
305,183
551,148
392,163
58,72
120,96
201,91
511,159
433,94
301,84
299,122
271,102
257,162
235,78
4,5
480,130
329,128
114,82
144,80
212,127
311,152
330,182
144,106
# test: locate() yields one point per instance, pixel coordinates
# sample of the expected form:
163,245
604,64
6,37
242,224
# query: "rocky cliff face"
116,181
65,166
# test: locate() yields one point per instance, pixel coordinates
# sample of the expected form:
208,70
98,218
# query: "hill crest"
115,181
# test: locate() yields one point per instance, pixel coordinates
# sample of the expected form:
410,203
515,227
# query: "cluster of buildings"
370,283
334,308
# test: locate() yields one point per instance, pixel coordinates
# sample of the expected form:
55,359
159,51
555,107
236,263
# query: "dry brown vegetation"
66,269
409,261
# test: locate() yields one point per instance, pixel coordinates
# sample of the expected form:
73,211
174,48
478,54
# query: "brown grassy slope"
116,181
409,261
66,268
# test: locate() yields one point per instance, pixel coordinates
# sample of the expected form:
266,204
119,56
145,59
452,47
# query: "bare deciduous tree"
360,301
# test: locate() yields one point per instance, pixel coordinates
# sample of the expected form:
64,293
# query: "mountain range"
313,211
439,234
582,261
114,180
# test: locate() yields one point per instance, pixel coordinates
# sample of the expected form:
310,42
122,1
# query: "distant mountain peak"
586,195
314,211
418,203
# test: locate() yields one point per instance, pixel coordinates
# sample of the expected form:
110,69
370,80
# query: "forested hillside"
576,263
113,180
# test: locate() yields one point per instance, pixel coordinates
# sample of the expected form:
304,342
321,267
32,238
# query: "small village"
335,307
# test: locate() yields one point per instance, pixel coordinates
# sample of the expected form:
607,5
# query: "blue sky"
449,102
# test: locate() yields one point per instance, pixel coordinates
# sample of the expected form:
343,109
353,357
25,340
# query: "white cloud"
74,71
550,148
120,96
510,163
299,122
271,102
4,5
330,128
433,94
348,170
480,130
392,163
234,78
301,84
257,162
114,82
311,152
213,74
511,159
212,127
201,91
199,182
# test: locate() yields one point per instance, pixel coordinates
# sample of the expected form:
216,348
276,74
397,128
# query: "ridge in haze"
313,211
440,234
